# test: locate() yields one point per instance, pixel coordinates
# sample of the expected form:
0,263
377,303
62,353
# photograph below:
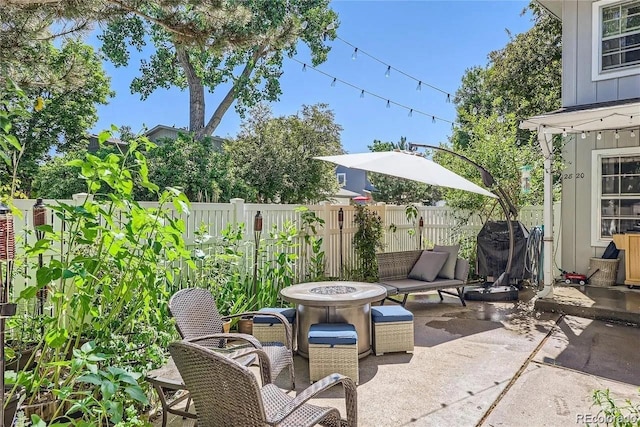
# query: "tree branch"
228,99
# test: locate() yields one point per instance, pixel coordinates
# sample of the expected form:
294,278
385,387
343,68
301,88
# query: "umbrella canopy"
407,165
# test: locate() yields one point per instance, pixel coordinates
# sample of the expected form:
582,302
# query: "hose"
532,258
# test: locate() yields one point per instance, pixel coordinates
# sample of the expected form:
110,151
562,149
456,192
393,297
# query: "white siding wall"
577,85
578,88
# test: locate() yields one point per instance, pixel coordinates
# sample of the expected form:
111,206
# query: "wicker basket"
607,271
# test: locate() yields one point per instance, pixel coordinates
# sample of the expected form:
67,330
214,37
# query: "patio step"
614,303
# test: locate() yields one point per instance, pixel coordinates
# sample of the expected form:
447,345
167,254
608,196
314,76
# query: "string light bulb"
419,87
362,93
448,97
564,132
617,135
333,82
388,72
354,55
433,119
411,112
304,25
304,68
583,135
599,137
388,104
632,134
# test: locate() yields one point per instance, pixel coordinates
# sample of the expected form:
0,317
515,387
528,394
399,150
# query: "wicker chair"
226,393
198,320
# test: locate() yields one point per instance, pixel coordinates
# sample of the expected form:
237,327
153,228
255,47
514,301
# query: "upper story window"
616,38
342,179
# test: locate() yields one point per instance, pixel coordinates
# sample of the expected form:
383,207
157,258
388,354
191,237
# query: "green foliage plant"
614,412
312,249
367,241
107,276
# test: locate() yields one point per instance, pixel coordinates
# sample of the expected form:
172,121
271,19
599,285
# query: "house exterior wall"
579,88
577,191
577,45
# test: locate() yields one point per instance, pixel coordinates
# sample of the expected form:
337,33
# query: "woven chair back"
225,393
196,315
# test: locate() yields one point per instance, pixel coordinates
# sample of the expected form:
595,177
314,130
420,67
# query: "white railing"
442,225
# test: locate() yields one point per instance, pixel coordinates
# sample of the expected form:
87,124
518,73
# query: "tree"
207,45
67,82
196,167
521,80
399,190
275,155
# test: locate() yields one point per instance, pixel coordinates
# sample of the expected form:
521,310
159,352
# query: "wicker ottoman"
269,328
333,348
392,329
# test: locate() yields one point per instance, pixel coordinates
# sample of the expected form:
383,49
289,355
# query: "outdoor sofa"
394,269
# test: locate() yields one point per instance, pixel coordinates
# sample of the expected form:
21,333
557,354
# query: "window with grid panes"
619,195
618,30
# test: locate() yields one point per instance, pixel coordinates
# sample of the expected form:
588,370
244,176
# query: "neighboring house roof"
346,193
94,144
554,7
611,115
162,131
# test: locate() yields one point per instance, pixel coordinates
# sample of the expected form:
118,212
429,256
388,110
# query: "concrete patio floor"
492,364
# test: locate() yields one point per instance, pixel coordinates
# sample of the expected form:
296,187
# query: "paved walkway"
493,364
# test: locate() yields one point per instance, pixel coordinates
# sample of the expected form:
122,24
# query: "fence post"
238,210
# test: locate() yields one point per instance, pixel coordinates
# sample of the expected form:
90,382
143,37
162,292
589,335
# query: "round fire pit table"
334,302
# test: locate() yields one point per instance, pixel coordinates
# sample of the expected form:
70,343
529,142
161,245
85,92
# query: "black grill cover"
493,249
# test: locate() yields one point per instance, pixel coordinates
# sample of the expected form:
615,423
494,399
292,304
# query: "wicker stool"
333,348
269,328
392,329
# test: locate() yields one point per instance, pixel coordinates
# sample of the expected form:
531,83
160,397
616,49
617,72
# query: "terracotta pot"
245,326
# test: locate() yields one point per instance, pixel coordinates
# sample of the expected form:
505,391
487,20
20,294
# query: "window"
342,179
616,38
617,203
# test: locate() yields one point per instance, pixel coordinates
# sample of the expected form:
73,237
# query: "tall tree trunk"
196,92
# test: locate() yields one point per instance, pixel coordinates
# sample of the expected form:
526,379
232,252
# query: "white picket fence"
442,225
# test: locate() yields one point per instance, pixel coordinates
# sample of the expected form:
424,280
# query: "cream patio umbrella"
411,166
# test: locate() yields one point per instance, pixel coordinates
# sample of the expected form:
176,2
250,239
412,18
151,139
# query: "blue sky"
433,41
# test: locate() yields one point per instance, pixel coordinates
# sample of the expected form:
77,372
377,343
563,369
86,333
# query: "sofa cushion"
405,286
428,265
448,270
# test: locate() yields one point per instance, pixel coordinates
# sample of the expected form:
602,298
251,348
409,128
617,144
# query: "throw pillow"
428,266
448,270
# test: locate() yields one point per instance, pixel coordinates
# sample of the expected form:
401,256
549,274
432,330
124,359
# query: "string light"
632,134
599,137
617,135
389,102
333,82
583,135
354,56
386,64
304,67
419,87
